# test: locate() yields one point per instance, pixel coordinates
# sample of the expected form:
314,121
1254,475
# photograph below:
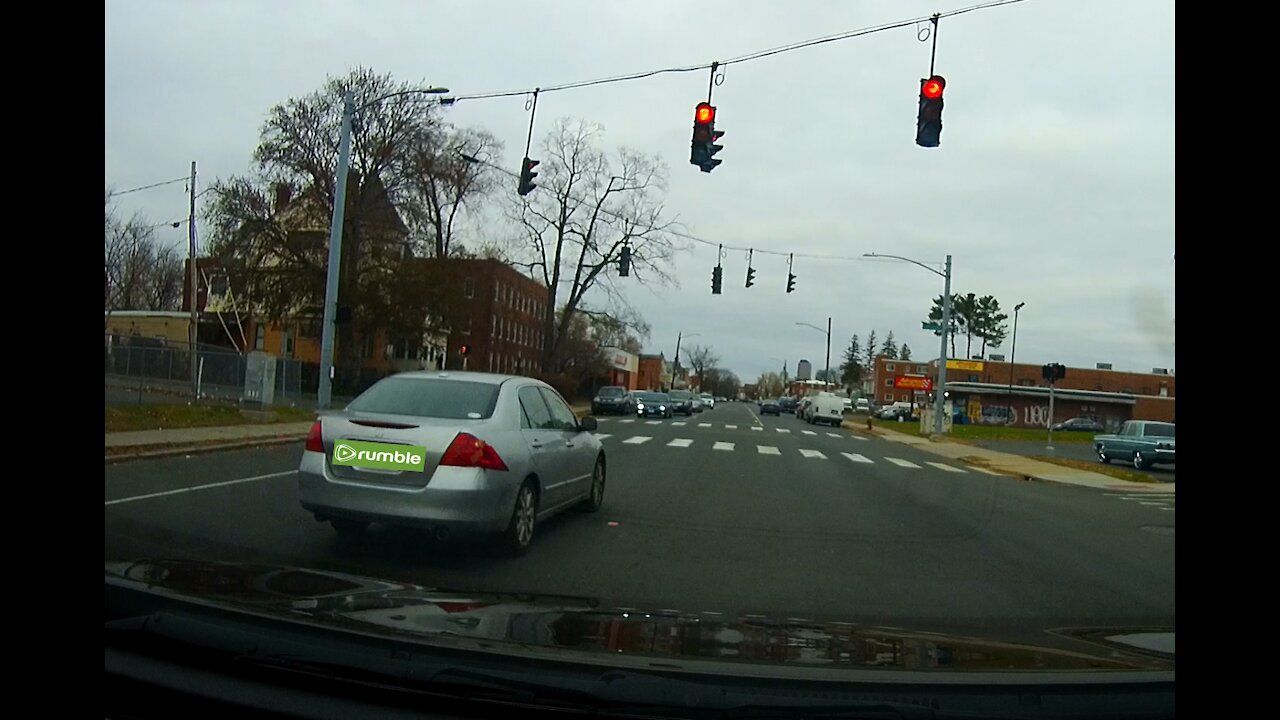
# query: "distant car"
1142,442
708,400
494,456
787,404
862,405
1080,423
682,401
610,400
654,404
770,407
698,405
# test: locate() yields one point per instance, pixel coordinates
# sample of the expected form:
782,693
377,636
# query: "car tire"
518,536
349,528
1139,462
1102,456
595,495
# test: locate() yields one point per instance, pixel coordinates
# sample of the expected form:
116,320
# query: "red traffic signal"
704,113
933,87
464,350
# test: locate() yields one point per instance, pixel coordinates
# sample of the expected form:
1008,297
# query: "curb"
137,452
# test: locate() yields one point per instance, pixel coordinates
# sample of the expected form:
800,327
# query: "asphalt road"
722,513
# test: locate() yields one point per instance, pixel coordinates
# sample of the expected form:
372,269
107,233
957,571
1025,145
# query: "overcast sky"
1053,185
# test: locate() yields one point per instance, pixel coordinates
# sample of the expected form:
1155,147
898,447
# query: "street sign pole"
1049,447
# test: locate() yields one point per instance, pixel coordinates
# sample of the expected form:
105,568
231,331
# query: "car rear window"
611,392
1159,430
429,397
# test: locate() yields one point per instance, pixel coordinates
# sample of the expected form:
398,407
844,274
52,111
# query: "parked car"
610,400
862,405
1141,442
802,408
897,410
654,404
1080,423
848,404
698,405
825,408
454,452
708,400
770,407
787,404
682,401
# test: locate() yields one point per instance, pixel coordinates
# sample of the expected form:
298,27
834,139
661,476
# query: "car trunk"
432,434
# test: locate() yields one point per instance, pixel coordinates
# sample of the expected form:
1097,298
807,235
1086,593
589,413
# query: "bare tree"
452,169
701,359
573,227
139,273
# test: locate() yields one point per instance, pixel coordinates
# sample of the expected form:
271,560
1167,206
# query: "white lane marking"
984,470
1167,508
680,442
833,435
753,427
813,454
601,436
902,463
857,437
1151,503
857,458
679,424
704,424
785,430
200,487
722,446
767,450
652,422
730,427
637,439
948,468
808,432
628,420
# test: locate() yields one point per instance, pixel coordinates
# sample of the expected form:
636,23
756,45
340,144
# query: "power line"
147,187
740,59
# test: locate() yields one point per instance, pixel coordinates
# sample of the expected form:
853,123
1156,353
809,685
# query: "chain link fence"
141,370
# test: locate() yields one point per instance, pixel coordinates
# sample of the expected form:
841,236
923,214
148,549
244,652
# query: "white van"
862,405
827,408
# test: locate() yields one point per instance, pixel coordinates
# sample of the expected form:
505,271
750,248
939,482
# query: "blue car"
654,404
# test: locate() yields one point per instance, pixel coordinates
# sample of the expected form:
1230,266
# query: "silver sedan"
453,452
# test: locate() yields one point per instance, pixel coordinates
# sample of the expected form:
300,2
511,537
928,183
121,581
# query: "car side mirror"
588,424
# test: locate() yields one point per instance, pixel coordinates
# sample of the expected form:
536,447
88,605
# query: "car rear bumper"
462,500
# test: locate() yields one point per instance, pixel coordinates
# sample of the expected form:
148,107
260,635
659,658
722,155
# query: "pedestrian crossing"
1163,501
806,453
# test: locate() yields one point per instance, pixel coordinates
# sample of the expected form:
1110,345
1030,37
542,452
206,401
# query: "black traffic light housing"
705,136
791,282
717,276
751,276
527,175
1053,372
929,118
624,262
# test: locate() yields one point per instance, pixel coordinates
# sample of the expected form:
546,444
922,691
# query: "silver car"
454,452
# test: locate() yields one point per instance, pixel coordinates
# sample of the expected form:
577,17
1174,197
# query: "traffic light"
624,262
464,350
717,275
705,136
791,282
527,175
1053,371
751,276
929,119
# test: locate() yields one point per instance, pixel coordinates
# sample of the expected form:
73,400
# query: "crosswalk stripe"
902,463
652,422
753,427
813,454
984,470
833,434
636,440
857,437
808,432
785,430
730,427
628,420
679,424
601,436
704,424
680,442
722,446
948,468
767,450
857,458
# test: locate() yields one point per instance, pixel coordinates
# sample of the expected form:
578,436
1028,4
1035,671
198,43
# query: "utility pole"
941,398
195,293
827,377
325,391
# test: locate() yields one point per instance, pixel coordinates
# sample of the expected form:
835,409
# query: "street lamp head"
436,90
1018,307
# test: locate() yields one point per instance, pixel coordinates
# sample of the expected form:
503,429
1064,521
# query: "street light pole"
675,364
940,391
827,376
1013,352
325,392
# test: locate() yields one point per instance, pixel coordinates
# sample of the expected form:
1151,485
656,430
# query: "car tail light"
467,450
315,440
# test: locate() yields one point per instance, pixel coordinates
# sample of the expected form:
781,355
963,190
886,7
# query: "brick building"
651,371
499,317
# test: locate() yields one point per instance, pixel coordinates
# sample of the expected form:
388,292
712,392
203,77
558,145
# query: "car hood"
581,627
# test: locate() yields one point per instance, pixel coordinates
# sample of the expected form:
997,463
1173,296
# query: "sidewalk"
1015,465
184,441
